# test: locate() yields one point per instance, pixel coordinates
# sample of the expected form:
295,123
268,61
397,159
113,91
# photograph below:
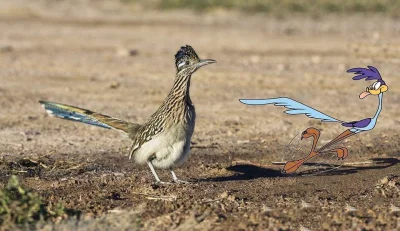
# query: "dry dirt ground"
120,62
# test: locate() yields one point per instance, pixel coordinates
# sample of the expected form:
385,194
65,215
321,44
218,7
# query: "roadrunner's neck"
378,111
180,89
178,103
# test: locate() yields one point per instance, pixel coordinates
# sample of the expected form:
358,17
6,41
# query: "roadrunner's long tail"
85,116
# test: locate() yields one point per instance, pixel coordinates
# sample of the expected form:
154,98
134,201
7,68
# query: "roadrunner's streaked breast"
164,140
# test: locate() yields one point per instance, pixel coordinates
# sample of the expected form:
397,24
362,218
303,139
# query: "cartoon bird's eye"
377,85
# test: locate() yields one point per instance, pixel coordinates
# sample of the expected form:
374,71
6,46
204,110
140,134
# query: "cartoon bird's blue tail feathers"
294,108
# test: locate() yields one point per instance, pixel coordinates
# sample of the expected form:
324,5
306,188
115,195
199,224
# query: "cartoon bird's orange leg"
342,153
344,135
292,166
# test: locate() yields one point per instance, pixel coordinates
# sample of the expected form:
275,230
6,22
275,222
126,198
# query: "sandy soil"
121,63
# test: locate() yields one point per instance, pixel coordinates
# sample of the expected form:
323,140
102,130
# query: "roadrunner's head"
310,132
370,73
187,59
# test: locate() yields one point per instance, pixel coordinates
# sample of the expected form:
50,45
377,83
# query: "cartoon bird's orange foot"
341,153
292,166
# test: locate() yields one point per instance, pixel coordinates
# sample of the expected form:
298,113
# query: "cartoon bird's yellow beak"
371,91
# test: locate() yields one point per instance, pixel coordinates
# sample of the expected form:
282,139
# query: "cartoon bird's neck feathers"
378,111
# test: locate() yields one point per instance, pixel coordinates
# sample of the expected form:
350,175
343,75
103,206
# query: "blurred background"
118,56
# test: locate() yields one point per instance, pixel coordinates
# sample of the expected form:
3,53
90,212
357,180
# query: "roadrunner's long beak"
204,62
374,89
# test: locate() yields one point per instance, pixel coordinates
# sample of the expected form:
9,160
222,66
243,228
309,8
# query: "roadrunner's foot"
162,182
292,166
342,153
176,180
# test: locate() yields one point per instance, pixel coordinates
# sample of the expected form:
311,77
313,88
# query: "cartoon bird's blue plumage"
295,108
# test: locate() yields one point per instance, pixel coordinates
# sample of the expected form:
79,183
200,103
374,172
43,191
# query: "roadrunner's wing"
294,108
85,116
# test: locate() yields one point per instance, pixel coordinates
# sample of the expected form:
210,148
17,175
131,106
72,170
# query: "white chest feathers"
168,149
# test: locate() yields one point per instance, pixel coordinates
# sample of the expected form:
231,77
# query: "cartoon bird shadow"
246,172
249,171
378,163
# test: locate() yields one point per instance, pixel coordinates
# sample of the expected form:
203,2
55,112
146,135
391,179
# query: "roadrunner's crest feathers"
186,56
163,140
369,73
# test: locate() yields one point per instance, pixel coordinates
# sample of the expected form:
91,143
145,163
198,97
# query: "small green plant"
21,206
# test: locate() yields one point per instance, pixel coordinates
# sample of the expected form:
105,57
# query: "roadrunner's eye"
182,63
377,85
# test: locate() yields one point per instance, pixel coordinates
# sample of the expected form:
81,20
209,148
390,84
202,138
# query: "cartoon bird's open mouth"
374,89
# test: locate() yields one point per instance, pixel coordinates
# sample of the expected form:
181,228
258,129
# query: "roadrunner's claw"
342,153
162,182
176,180
292,166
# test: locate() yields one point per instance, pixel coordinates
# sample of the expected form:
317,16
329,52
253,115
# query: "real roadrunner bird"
355,127
163,141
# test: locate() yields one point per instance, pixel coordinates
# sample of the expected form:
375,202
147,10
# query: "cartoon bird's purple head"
370,73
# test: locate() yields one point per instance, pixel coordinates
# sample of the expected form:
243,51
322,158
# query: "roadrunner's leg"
176,180
158,181
342,153
344,135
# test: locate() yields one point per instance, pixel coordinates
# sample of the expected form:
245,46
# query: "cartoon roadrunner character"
355,127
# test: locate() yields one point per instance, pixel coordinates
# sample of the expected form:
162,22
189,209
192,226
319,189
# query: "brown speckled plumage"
164,139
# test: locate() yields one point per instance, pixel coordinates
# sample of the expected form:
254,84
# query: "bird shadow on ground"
249,171
377,163
246,172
